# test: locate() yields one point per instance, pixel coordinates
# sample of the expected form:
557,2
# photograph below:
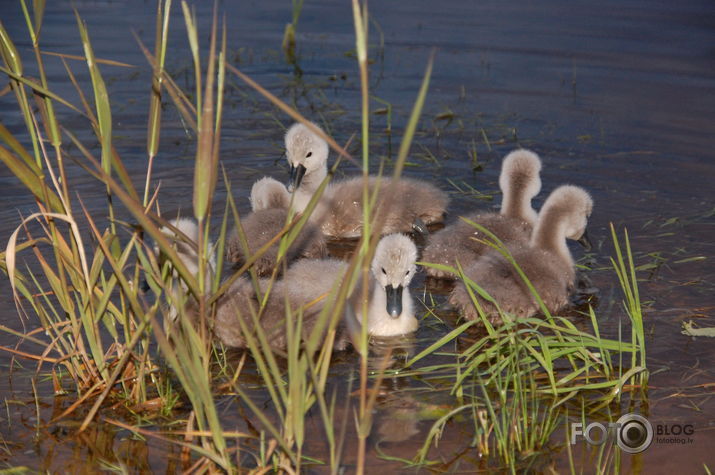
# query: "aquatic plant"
523,372
289,44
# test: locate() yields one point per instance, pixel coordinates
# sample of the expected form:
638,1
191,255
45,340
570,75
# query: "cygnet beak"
296,176
394,300
585,241
144,285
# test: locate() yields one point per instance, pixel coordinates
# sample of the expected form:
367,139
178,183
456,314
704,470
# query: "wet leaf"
690,330
446,115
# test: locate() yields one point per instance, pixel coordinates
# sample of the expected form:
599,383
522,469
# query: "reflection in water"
399,419
58,446
390,352
397,410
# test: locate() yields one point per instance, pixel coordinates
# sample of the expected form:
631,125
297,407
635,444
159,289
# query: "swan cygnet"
391,309
402,207
545,260
308,283
189,257
461,242
268,193
270,201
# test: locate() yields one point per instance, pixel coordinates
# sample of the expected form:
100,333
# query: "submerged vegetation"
108,343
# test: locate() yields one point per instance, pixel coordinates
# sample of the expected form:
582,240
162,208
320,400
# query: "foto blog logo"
632,433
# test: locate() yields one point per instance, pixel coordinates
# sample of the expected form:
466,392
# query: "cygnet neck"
550,233
516,204
308,186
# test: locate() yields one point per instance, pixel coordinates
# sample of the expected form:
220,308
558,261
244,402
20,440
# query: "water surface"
615,96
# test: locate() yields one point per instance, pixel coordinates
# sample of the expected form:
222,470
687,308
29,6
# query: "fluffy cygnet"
270,201
189,257
268,193
545,260
391,310
461,242
409,203
307,285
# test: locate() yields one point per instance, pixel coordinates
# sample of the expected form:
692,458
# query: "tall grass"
523,373
289,41
85,284
75,295
626,272
81,281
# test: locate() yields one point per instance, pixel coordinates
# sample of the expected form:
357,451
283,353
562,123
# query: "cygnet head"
307,154
393,268
268,193
564,215
520,182
187,253
189,257
186,226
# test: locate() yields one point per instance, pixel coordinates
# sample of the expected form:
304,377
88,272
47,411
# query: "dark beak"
144,286
585,241
394,300
296,176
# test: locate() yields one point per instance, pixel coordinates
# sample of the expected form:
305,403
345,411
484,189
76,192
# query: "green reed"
523,373
75,294
289,43
88,287
626,272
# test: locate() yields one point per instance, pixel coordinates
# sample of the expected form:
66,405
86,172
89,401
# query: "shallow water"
615,96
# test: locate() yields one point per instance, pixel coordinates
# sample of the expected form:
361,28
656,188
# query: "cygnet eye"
383,271
310,154
407,273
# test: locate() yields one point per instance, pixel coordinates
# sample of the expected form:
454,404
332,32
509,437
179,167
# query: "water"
615,96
